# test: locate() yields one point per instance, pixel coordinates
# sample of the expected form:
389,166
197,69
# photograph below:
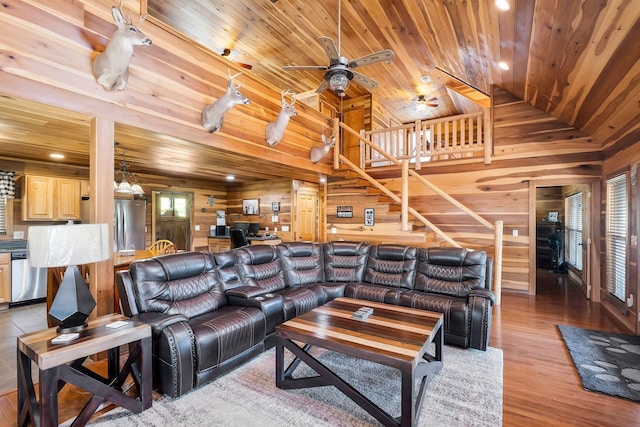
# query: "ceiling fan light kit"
340,71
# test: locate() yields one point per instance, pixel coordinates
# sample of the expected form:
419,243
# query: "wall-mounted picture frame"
251,206
344,211
275,206
553,217
369,217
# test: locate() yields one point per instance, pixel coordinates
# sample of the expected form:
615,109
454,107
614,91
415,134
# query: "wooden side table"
62,363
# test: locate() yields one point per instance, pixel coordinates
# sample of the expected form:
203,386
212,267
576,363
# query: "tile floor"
13,323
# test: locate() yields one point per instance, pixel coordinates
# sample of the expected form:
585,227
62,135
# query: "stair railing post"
336,145
405,195
497,270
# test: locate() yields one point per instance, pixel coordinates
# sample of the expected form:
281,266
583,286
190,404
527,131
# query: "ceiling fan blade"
304,67
363,80
329,47
323,86
383,56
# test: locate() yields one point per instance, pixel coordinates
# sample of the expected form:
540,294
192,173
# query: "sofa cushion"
298,300
302,262
455,313
391,265
450,271
377,293
187,284
260,266
222,334
345,261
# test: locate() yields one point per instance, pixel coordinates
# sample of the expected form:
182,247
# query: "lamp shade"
71,244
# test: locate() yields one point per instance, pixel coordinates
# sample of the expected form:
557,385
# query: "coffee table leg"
408,399
279,363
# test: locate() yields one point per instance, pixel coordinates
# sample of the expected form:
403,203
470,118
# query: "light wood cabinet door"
49,199
37,201
5,278
67,199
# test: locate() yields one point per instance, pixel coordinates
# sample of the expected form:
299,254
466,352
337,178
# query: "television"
254,228
244,226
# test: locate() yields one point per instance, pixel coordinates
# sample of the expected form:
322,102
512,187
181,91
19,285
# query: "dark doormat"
606,362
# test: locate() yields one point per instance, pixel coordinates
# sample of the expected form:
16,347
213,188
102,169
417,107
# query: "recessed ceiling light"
503,5
56,156
230,177
503,65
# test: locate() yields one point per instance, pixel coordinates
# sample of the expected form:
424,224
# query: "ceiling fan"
422,103
340,71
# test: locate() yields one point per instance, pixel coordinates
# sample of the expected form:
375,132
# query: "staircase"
352,189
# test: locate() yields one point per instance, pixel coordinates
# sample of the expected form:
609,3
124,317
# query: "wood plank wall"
267,192
47,55
619,157
530,146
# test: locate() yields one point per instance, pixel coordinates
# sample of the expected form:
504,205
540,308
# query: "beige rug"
467,392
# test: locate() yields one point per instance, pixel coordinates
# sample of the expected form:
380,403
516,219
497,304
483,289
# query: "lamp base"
73,302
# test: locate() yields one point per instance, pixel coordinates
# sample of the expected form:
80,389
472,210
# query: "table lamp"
69,246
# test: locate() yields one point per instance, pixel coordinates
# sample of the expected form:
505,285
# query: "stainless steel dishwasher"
28,284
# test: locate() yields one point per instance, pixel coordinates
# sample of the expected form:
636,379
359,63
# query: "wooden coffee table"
393,336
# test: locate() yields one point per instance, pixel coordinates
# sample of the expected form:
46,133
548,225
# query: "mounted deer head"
328,140
213,114
111,67
275,130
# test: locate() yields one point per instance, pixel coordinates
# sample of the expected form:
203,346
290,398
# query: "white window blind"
3,216
573,231
617,220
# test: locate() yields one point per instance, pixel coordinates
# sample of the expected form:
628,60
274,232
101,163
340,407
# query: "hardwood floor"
541,386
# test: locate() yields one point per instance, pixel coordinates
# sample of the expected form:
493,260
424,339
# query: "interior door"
355,120
307,215
173,218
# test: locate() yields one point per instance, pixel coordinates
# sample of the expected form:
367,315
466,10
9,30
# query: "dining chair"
162,247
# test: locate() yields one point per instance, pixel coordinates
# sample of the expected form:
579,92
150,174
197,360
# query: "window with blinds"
616,237
3,216
573,230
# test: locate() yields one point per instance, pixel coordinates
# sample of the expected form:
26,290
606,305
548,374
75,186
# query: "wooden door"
173,218
355,120
307,216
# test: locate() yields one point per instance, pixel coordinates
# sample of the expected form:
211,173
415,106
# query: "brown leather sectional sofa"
211,312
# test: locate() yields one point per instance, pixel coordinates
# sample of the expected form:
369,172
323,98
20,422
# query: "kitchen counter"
124,261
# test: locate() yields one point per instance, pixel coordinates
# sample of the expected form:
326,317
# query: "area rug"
466,392
606,362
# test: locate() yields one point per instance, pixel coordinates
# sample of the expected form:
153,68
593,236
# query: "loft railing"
456,137
403,199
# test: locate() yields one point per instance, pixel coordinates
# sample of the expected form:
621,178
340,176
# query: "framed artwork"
344,211
369,217
275,206
251,206
553,217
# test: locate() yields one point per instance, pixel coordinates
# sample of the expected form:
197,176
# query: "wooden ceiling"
578,60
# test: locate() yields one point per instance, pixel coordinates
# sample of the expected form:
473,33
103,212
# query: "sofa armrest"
483,293
159,321
488,277
245,292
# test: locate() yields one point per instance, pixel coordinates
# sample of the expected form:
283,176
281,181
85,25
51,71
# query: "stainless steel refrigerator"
128,224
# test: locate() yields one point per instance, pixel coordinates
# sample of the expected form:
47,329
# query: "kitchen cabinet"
5,278
219,244
49,199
